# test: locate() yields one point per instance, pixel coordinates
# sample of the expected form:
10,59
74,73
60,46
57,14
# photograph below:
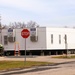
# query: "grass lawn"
8,65
65,57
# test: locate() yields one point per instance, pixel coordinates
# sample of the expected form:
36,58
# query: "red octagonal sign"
25,33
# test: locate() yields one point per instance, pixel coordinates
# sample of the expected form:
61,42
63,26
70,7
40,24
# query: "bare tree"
17,25
32,24
20,25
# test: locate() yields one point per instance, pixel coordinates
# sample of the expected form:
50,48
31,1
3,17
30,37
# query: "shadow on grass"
37,69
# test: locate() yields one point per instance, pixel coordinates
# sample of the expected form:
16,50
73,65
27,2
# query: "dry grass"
7,65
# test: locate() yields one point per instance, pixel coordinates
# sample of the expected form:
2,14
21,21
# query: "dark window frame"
5,40
59,39
51,38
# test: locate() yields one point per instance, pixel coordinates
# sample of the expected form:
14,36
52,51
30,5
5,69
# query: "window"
65,38
59,39
51,38
5,40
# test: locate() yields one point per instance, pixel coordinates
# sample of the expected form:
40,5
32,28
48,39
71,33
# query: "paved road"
62,68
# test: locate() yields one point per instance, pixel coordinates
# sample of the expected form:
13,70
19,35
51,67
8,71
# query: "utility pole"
0,30
66,46
0,23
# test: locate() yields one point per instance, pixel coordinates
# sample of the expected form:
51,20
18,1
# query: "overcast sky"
44,12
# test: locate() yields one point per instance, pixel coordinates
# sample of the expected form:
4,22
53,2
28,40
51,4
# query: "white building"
42,40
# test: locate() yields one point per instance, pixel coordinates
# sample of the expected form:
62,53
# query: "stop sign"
25,33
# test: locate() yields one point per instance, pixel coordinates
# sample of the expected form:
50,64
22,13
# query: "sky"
44,12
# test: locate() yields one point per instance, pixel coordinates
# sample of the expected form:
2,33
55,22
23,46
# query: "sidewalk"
35,58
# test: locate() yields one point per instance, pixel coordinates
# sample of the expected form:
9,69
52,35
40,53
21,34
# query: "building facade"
42,41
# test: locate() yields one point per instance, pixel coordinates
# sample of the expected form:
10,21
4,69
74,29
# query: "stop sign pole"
25,49
25,33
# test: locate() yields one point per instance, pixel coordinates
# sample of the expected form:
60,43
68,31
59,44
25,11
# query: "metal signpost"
25,33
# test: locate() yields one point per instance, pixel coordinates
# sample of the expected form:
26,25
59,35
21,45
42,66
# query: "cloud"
42,11
39,6
29,5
